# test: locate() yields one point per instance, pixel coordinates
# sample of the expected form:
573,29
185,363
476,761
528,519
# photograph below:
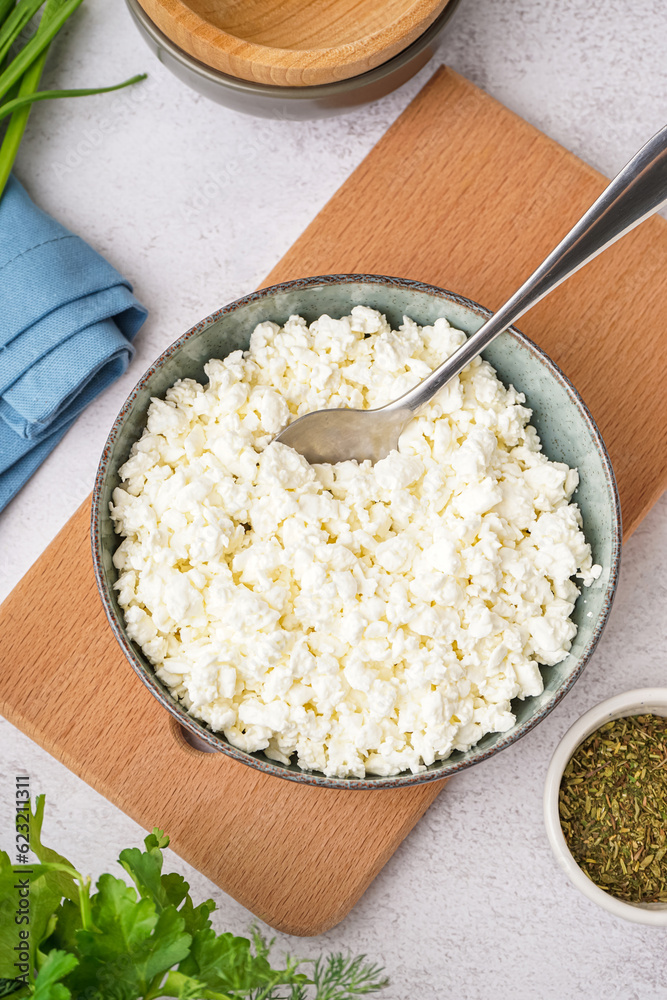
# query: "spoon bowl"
341,435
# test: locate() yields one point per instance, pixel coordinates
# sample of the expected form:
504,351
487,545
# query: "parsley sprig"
145,941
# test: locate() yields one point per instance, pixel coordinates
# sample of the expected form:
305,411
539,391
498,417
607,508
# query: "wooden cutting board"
460,193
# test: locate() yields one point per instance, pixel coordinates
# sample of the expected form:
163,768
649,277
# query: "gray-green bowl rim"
199,729
311,92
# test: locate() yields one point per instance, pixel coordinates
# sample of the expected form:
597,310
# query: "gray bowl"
566,428
266,101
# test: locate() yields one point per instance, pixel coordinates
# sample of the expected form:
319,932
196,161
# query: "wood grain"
291,43
460,193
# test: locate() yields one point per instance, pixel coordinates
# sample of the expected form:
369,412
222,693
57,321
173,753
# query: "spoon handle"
637,192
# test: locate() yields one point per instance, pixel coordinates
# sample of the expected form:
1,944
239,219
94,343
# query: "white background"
195,204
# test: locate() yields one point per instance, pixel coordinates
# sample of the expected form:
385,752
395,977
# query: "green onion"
54,16
15,23
5,8
19,120
19,79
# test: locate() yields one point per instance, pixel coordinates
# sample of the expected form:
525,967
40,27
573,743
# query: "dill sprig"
333,977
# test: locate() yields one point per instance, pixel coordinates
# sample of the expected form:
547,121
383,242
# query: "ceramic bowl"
565,426
291,43
646,701
292,103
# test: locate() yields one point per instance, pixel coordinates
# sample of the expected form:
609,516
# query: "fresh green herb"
6,6
18,121
613,808
15,22
20,74
9,107
124,943
54,15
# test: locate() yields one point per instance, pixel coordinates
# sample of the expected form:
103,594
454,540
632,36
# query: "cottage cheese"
356,618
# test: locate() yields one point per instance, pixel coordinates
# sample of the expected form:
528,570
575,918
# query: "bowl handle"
187,740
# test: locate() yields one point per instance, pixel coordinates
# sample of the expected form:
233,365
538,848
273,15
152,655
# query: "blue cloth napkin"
67,321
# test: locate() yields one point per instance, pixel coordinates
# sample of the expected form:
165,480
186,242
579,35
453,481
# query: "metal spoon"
636,193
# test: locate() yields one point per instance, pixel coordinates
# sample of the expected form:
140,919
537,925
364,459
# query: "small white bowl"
646,701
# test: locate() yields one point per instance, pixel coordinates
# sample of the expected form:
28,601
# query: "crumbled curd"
357,618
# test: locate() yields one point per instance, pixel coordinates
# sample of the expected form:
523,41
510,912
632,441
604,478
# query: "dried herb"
613,808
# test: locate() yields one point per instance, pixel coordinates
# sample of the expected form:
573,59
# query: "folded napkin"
67,321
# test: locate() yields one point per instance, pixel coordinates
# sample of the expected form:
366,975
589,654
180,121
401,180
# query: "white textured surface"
195,204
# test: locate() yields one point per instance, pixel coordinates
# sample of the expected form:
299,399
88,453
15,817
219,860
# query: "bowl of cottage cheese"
350,625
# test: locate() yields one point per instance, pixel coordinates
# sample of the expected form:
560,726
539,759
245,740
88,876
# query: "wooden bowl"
290,42
265,100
